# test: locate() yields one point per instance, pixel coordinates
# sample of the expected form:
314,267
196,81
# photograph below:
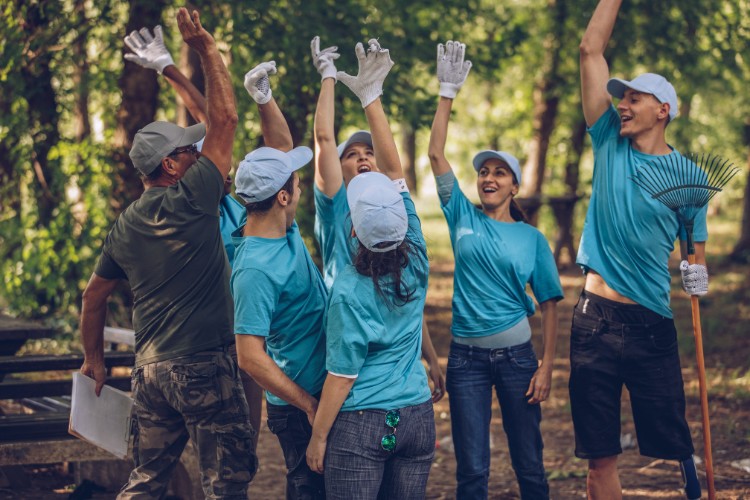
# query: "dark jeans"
472,373
358,467
291,427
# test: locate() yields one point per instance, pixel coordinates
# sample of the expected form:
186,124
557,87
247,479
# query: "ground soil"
642,477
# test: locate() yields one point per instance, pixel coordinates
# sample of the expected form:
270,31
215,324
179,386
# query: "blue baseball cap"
264,171
648,83
377,210
506,158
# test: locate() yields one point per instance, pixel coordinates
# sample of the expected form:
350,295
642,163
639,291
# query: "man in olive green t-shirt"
168,245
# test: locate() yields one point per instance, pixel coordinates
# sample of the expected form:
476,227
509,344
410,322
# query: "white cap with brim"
362,136
264,171
648,83
156,140
378,211
507,158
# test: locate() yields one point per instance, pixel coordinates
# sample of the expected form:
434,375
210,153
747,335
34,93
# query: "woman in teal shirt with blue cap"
374,431
497,254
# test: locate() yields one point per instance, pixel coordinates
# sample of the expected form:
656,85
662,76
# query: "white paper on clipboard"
103,421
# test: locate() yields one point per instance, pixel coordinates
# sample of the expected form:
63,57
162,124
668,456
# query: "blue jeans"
291,427
472,372
356,466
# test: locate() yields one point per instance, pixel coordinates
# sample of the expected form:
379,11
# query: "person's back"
169,246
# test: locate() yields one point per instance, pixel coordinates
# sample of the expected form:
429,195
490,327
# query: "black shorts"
612,344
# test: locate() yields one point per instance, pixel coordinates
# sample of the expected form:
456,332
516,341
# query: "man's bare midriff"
596,284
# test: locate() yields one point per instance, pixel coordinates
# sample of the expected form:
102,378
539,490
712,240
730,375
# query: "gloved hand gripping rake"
685,184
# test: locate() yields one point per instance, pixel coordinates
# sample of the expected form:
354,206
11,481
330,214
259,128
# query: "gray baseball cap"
264,171
362,136
156,140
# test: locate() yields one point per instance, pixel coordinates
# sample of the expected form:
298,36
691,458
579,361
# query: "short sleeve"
203,186
700,228
346,341
457,205
545,280
255,300
606,127
107,268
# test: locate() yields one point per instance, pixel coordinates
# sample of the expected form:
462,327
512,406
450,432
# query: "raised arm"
149,51
594,68
221,106
328,177
374,66
273,125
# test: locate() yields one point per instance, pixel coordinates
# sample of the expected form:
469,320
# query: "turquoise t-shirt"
377,342
279,294
494,262
231,216
628,236
333,231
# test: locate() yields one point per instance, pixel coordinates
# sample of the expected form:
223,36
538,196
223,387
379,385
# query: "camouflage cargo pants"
199,397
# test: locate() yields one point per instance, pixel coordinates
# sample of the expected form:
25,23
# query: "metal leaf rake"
685,184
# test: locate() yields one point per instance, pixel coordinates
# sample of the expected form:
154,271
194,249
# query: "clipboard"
103,421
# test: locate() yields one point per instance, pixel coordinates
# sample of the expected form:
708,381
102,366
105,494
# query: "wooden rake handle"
698,333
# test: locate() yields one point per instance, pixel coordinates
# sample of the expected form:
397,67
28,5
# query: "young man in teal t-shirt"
623,331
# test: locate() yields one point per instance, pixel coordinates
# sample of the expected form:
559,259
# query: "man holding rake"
623,331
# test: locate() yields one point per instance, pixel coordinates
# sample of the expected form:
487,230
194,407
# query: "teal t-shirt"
231,216
279,294
378,343
333,231
628,236
494,262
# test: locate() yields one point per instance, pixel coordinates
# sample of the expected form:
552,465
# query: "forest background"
70,106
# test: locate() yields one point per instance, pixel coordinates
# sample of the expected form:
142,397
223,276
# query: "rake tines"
685,183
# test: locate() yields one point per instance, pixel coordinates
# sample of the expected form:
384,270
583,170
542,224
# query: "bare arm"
328,177
438,137
190,95
541,382
273,126
594,68
433,364
335,391
382,141
222,111
93,315
700,251
252,358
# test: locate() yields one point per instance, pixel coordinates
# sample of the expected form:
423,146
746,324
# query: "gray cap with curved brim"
362,136
503,156
156,140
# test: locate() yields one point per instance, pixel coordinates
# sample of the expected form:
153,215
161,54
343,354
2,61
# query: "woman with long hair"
497,254
374,431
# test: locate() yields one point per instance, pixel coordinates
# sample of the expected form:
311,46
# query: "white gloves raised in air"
374,66
150,51
694,278
257,84
324,59
452,70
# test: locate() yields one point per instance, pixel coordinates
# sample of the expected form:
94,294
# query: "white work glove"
150,51
694,278
324,59
374,66
452,70
257,84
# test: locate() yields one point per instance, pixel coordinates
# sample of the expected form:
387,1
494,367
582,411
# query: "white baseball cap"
362,136
508,158
648,83
264,171
377,210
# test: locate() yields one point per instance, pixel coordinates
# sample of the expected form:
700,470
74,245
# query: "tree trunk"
409,147
81,74
190,65
140,91
741,251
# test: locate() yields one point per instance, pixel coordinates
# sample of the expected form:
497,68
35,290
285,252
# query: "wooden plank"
19,389
39,363
119,335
